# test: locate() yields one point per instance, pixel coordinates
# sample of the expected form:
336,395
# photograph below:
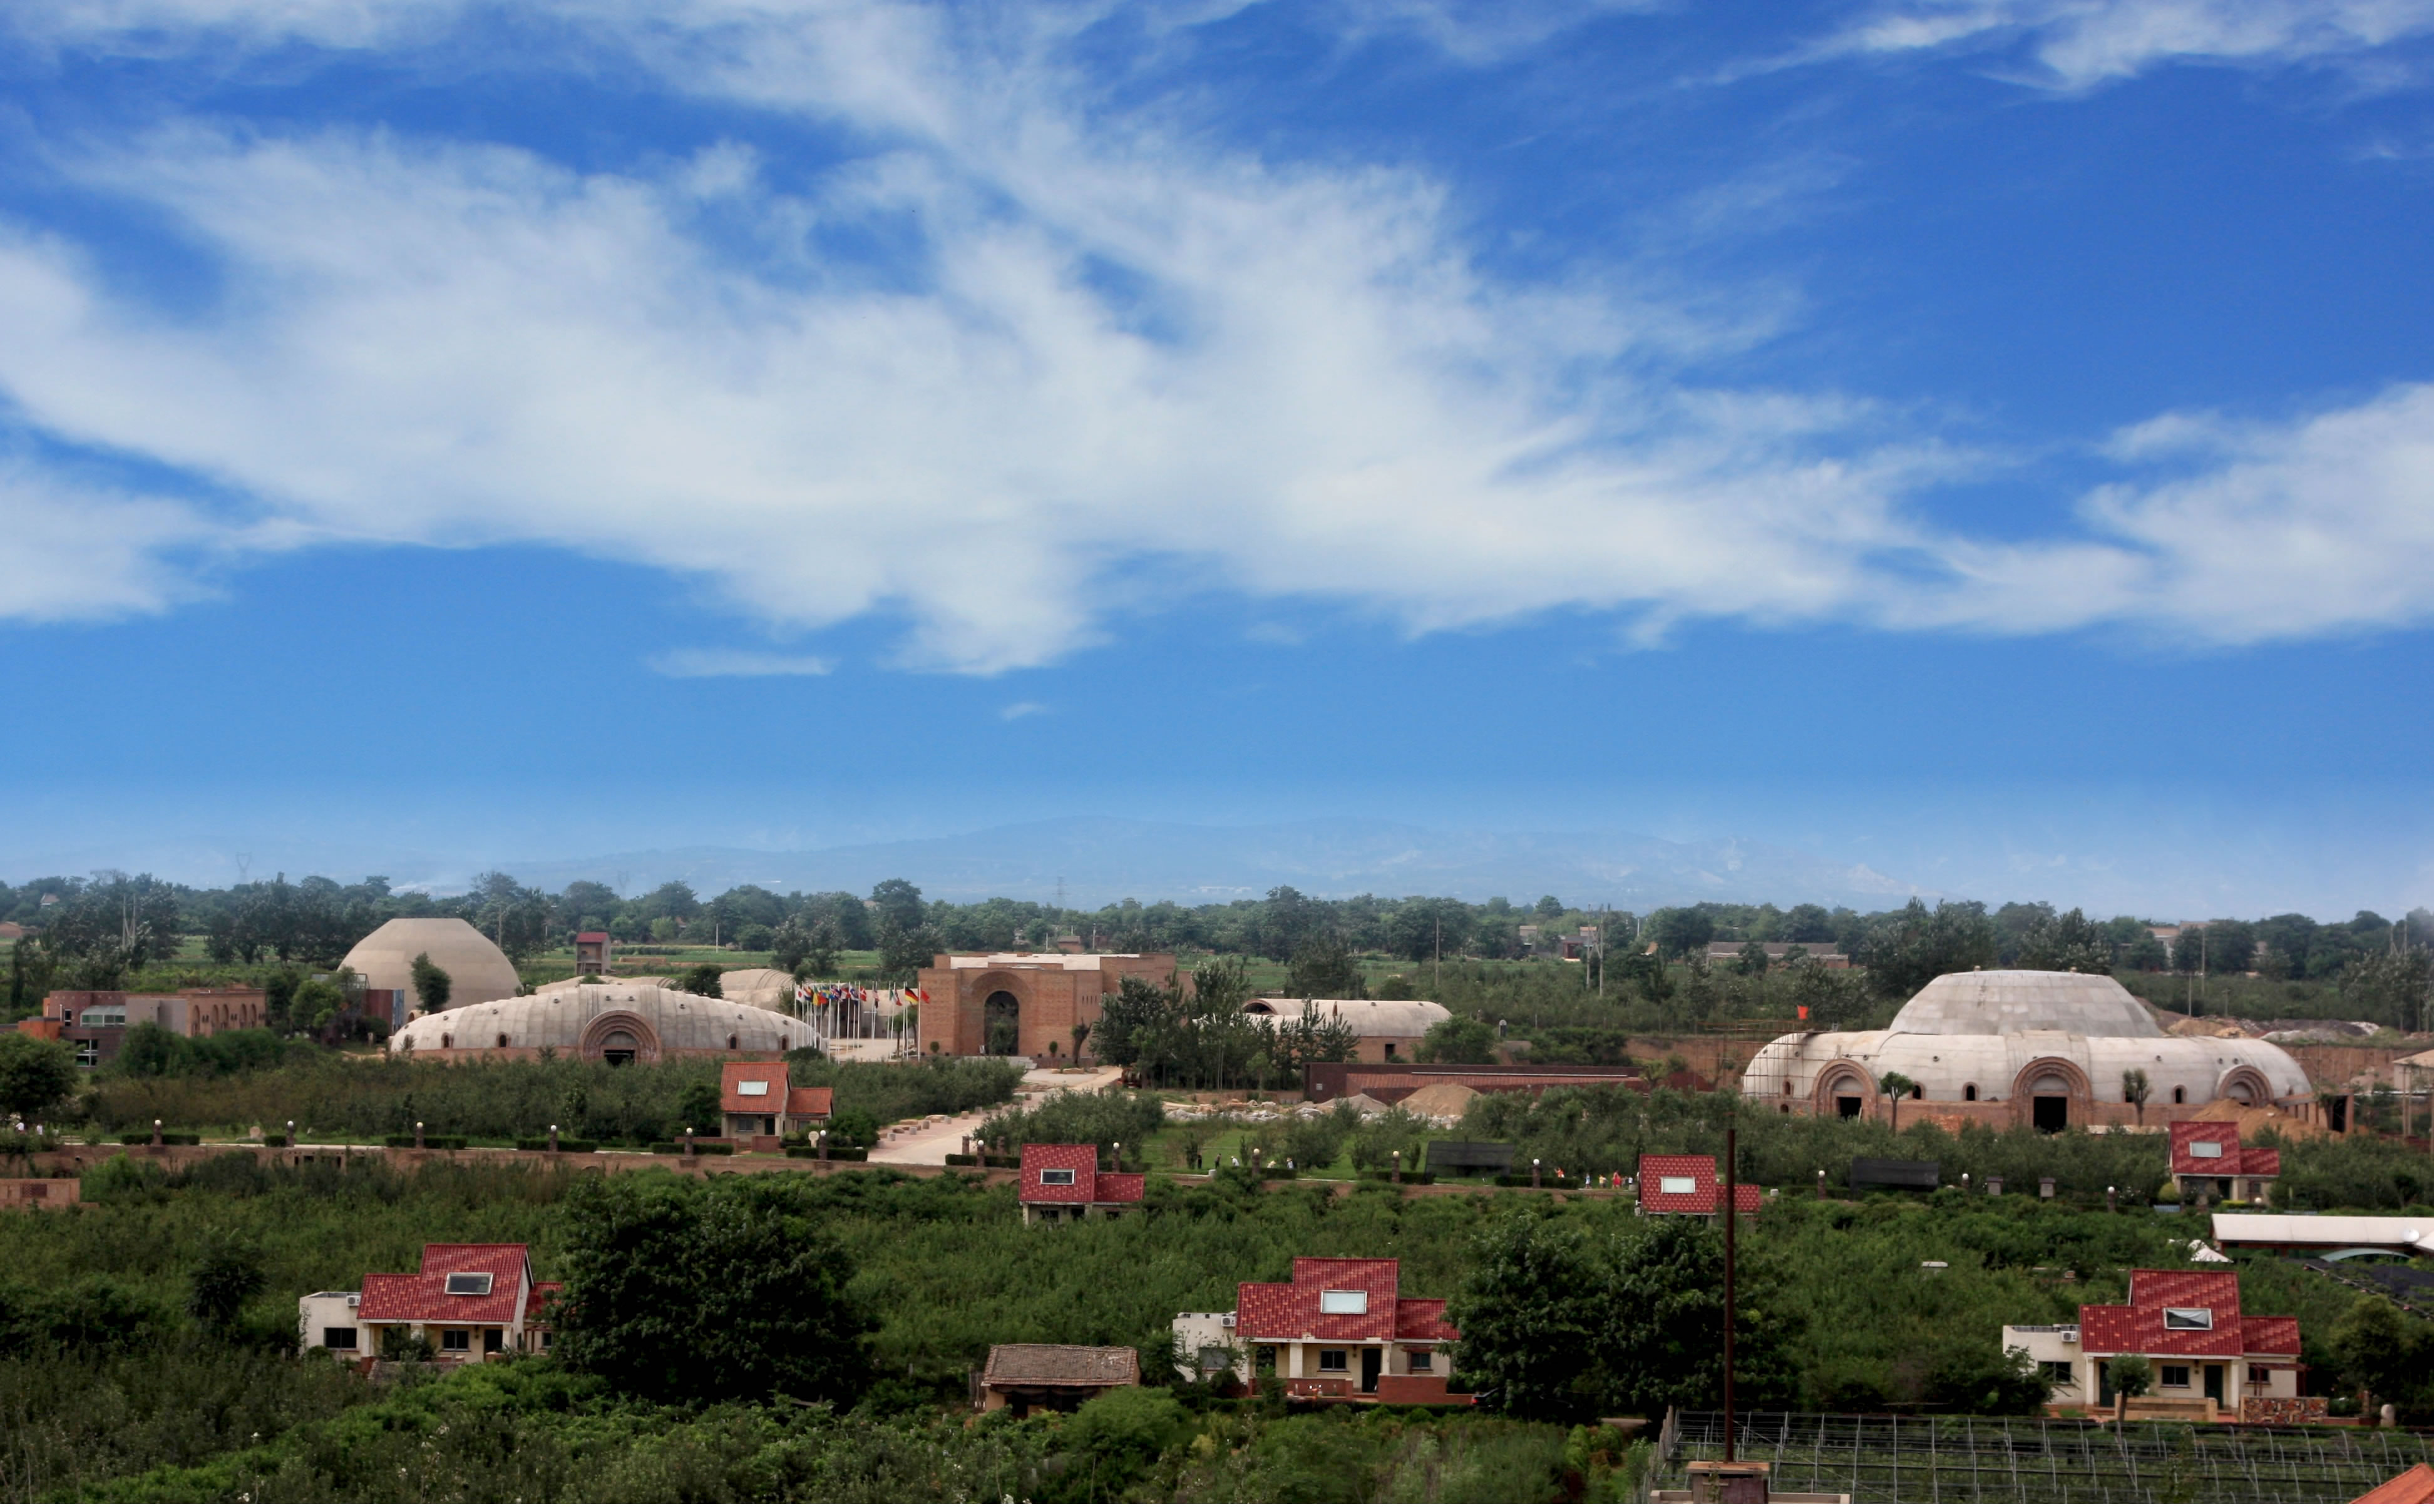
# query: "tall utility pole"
1437,971
1732,1226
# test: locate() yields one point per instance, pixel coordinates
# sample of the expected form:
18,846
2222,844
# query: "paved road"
931,1146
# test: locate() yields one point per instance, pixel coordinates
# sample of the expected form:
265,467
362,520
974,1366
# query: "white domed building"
477,971
618,1022
2021,1048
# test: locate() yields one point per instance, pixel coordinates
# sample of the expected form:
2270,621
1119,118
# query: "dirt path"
931,1144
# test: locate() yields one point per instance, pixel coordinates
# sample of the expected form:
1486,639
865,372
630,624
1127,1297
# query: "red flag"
1804,1011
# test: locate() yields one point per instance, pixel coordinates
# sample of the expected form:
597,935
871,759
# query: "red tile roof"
1089,1183
424,1298
810,1102
2233,1160
2137,1327
1290,1310
1701,1199
593,937
2413,1487
770,1099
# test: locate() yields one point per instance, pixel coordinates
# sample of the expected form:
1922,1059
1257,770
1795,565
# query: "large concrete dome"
477,972
2020,1048
2020,1002
615,1021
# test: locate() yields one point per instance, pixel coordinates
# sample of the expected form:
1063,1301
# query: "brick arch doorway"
1002,1023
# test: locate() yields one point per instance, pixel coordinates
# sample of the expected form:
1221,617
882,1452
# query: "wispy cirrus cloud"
716,662
1098,352
2077,45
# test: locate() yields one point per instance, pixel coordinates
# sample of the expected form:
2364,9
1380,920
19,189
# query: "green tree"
1322,967
1909,949
1662,1322
2070,942
1678,932
2130,1375
697,1109
1750,961
1528,1312
430,984
702,980
227,1276
1459,1041
2135,1090
315,1007
1896,1087
762,1308
36,1076
897,904
2387,1351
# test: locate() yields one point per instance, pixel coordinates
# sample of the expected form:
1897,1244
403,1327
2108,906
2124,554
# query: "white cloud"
716,662
2081,44
1020,711
1112,367
72,550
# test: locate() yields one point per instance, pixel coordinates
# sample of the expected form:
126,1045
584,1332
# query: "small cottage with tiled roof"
758,1097
1339,1329
1064,1182
2208,1157
1688,1185
469,1302
2209,1357
1021,1377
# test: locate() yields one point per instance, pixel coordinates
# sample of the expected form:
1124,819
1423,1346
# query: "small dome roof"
760,986
1370,1018
477,971
2022,1002
681,1023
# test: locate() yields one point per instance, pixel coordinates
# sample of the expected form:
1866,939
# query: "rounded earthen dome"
2023,1002
612,1020
477,971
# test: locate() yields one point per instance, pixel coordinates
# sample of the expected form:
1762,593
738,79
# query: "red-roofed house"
2207,1157
2207,1355
1340,1328
1064,1182
758,1097
1687,1184
469,1302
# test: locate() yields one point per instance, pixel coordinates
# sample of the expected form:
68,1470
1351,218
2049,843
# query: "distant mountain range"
1096,861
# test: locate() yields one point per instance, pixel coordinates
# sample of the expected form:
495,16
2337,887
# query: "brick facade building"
1021,1003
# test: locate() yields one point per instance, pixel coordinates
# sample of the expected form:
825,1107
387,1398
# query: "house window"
1351,1302
1423,1362
455,1340
752,1088
2190,1318
1390,1052
2205,1149
1969,1093
337,1338
1677,1185
468,1284
1215,1359
2057,1372
1332,1360
2175,1375
2260,1375
493,1340
1056,1177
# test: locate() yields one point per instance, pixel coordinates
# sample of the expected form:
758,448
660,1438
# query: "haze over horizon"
1986,446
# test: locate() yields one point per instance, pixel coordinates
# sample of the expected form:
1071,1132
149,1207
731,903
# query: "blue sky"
1991,441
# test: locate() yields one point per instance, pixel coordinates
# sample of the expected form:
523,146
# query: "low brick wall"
2282,1412
37,1191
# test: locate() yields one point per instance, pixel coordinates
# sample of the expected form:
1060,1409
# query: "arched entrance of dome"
1843,1090
1002,1023
2049,1088
2246,1085
619,1038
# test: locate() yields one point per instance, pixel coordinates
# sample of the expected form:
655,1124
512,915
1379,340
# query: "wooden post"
1732,1227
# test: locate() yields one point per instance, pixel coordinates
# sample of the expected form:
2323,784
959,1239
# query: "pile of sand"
1440,1099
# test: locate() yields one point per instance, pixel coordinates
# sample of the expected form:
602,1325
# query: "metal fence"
2037,1459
